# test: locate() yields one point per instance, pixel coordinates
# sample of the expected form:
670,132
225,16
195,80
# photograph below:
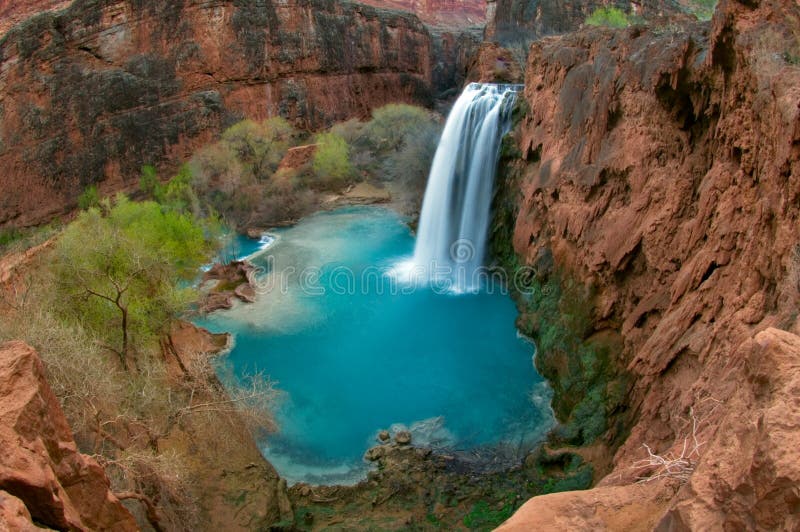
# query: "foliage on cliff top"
610,17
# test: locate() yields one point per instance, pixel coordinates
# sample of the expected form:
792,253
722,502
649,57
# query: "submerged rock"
384,436
403,437
225,283
375,453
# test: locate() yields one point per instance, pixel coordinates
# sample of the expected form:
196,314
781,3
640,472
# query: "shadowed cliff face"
663,168
90,94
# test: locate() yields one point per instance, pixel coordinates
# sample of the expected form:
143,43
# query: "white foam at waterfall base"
454,223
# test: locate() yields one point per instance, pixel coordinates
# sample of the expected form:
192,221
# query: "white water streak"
454,222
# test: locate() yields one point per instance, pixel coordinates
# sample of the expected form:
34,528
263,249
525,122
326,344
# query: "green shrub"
332,161
411,162
392,124
610,17
89,198
482,516
10,236
148,181
234,176
260,146
580,480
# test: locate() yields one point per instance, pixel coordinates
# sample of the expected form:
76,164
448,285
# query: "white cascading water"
454,224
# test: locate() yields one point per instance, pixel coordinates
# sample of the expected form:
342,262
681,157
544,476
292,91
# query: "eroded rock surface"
42,475
447,13
13,11
517,20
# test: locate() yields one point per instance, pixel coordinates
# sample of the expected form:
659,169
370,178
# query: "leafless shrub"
161,482
252,398
81,375
673,465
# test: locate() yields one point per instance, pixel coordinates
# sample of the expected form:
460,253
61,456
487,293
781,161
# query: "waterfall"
454,224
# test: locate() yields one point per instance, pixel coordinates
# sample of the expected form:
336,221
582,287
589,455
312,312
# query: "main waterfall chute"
454,224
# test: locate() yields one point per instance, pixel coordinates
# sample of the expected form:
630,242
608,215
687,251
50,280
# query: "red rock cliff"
43,477
663,168
91,93
458,13
516,20
13,11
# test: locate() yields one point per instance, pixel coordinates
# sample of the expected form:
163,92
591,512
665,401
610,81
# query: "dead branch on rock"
671,465
151,508
158,482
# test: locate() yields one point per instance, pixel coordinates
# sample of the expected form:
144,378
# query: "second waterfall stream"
454,224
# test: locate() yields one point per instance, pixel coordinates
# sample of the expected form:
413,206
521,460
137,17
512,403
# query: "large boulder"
40,466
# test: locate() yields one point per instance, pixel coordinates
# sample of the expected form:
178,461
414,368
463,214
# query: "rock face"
42,474
92,93
664,170
748,474
518,20
495,64
187,347
448,13
13,11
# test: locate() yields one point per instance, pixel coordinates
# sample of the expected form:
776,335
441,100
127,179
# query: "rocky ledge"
43,477
225,283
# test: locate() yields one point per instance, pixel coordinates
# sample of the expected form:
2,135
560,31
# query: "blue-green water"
356,352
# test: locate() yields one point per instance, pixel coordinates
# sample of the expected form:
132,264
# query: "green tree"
148,181
411,163
260,146
391,125
332,160
120,270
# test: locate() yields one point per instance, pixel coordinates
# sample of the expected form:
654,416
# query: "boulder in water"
403,437
384,436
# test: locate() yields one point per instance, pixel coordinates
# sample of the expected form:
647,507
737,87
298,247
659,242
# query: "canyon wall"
13,11
511,21
91,93
661,167
446,13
